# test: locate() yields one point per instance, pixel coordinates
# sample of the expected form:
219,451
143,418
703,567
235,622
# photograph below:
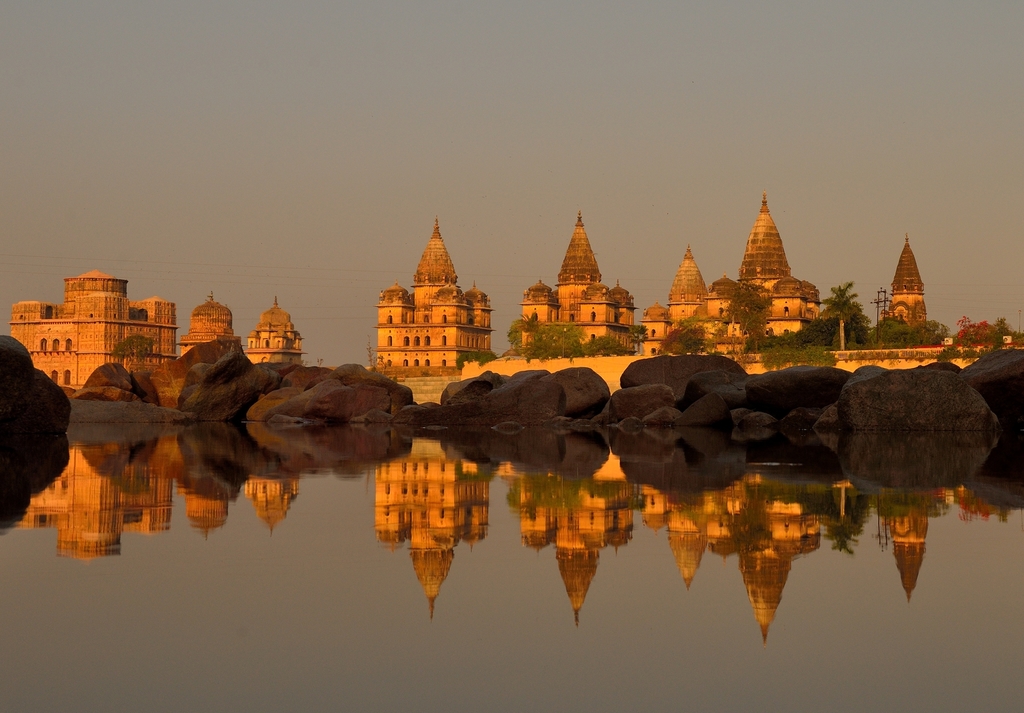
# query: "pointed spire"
688,285
435,266
579,265
907,277
764,257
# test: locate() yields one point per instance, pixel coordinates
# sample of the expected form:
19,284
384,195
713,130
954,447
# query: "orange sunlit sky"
303,149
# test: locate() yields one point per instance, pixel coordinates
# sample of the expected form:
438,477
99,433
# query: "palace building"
428,329
907,289
580,296
210,320
275,340
69,341
794,302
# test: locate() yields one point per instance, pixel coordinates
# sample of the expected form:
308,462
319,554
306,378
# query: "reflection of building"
432,503
271,497
275,339
429,328
210,320
69,341
98,497
580,517
908,533
907,289
580,297
794,302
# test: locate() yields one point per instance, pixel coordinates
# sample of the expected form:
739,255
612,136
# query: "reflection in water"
766,504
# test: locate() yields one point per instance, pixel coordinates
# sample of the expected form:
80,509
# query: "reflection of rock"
573,455
28,464
343,450
914,459
999,378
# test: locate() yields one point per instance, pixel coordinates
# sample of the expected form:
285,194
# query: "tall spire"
435,266
688,286
907,277
579,264
764,257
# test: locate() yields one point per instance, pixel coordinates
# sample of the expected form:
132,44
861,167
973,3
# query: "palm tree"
844,305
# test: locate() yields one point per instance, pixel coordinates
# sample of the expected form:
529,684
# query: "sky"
303,149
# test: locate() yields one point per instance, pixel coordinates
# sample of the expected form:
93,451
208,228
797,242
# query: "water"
213,569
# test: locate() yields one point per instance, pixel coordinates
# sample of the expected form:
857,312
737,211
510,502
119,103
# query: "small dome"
656,313
275,318
475,296
211,315
396,294
620,294
810,291
538,293
449,294
597,291
788,287
723,286
688,285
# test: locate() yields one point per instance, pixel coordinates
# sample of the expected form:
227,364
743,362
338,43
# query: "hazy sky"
303,149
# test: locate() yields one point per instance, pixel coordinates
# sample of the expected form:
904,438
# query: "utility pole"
881,303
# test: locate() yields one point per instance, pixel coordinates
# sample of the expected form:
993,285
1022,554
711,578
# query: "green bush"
781,357
480,358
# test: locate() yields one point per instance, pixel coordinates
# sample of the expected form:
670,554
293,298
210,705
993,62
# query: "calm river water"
215,568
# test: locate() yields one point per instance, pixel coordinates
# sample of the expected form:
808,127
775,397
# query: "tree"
842,304
546,340
605,346
686,337
748,308
637,336
133,350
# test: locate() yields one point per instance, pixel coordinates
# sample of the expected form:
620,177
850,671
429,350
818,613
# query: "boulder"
229,388
664,417
864,373
528,375
124,412
47,409
999,378
800,419
586,393
259,410
373,416
942,366
196,373
756,426
638,401
709,410
341,404
16,377
495,380
529,403
142,386
730,385
168,379
737,415
630,424
675,371
305,376
104,393
828,421
914,400
351,374
779,392
471,390
109,375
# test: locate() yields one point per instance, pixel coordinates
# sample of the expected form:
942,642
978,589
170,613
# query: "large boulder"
662,418
305,376
47,409
675,371
709,410
779,392
343,403
16,377
999,378
142,386
258,411
730,385
229,388
103,393
494,380
864,373
168,379
914,400
470,390
125,412
638,401
586,393
529,403
109,375
352,374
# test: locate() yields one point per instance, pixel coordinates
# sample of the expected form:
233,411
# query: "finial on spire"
906,238
275,300
579,219
210,297
764,201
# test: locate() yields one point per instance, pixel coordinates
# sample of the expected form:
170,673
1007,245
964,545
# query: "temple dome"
274,319
579,264
788,287
476,296
907,277
723,286
620,295
449,294
764,257
596,292
211,316
688,285
657,313
810,291
435,266
396,294
539,293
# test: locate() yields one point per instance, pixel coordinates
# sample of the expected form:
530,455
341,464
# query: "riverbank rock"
480,385
110,375
259,410
104,393
779,392
586,393
665,417
305,377
999,378
800,419
16,376
142,386
343,403
529,403
124,412
229,388
755,426
638,401
168,379
709,410
730,385
828,421
914,400
47,409
675,371
352,374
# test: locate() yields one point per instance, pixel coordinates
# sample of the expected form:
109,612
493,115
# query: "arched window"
469,318
49,313
444,340
572,318
653,352
785,311
653,332
67,377
426,319
415,362
426,362
67,345
444,362
593,316
53,376
593,337
391,319
426,341
56,345
42,345
266,344
405,362
444,319
389,362
389,341
415,341
405,342
721,311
